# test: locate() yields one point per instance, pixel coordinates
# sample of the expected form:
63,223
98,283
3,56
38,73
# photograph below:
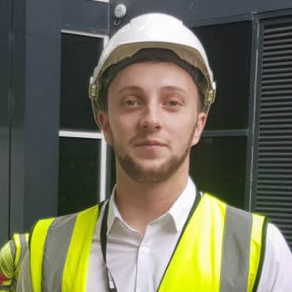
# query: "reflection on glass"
79,57
228,47
78,174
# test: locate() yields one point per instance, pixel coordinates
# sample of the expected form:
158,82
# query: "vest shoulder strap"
219,250
59,249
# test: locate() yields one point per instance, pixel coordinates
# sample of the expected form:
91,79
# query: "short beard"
153,176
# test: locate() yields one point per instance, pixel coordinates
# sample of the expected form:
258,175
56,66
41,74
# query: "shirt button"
144,249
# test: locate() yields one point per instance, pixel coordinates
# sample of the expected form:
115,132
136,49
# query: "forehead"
154,74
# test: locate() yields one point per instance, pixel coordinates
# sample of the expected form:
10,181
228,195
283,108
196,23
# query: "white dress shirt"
138,262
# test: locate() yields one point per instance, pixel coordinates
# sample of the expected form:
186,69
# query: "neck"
141,203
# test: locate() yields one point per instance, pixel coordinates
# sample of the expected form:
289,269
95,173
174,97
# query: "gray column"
5,19
35,111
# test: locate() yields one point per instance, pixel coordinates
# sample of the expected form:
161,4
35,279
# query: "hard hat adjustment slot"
210,97
92,91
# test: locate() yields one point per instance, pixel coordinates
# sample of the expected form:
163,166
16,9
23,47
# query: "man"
11,257
151,94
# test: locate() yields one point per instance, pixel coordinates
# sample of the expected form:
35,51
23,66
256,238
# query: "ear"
201,121
103,122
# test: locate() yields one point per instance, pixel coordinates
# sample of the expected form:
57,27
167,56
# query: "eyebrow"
174,88
164,88
130,87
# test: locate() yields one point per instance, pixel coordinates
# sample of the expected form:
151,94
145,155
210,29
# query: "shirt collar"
181,208
113,212
178,212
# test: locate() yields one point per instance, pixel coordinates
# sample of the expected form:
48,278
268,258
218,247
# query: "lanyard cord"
103,239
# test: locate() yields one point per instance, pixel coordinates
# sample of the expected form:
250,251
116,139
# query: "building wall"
203,10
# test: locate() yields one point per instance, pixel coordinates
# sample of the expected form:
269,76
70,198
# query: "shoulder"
277,266
62,227
12,253
64,221
230,210
276,245
6,262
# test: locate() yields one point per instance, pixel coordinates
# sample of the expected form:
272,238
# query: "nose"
151,120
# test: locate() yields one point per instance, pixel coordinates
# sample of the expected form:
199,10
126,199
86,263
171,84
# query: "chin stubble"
156,175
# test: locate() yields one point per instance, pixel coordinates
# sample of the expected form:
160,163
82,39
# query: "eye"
173,103
131,102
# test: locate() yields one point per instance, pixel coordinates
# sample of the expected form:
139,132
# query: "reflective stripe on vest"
20,247
60,250
222,256
219,251
11,258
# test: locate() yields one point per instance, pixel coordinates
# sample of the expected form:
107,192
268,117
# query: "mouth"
151,144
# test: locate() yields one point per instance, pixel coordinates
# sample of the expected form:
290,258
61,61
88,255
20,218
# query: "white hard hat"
154,30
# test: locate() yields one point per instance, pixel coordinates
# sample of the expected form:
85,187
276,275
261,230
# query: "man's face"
152,120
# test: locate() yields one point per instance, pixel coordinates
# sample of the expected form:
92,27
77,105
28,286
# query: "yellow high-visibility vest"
11,257
220,250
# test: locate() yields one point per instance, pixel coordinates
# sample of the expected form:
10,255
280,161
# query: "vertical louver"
274,126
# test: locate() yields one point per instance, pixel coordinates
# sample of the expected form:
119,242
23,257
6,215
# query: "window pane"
79,57
78,174
218,166
228,47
